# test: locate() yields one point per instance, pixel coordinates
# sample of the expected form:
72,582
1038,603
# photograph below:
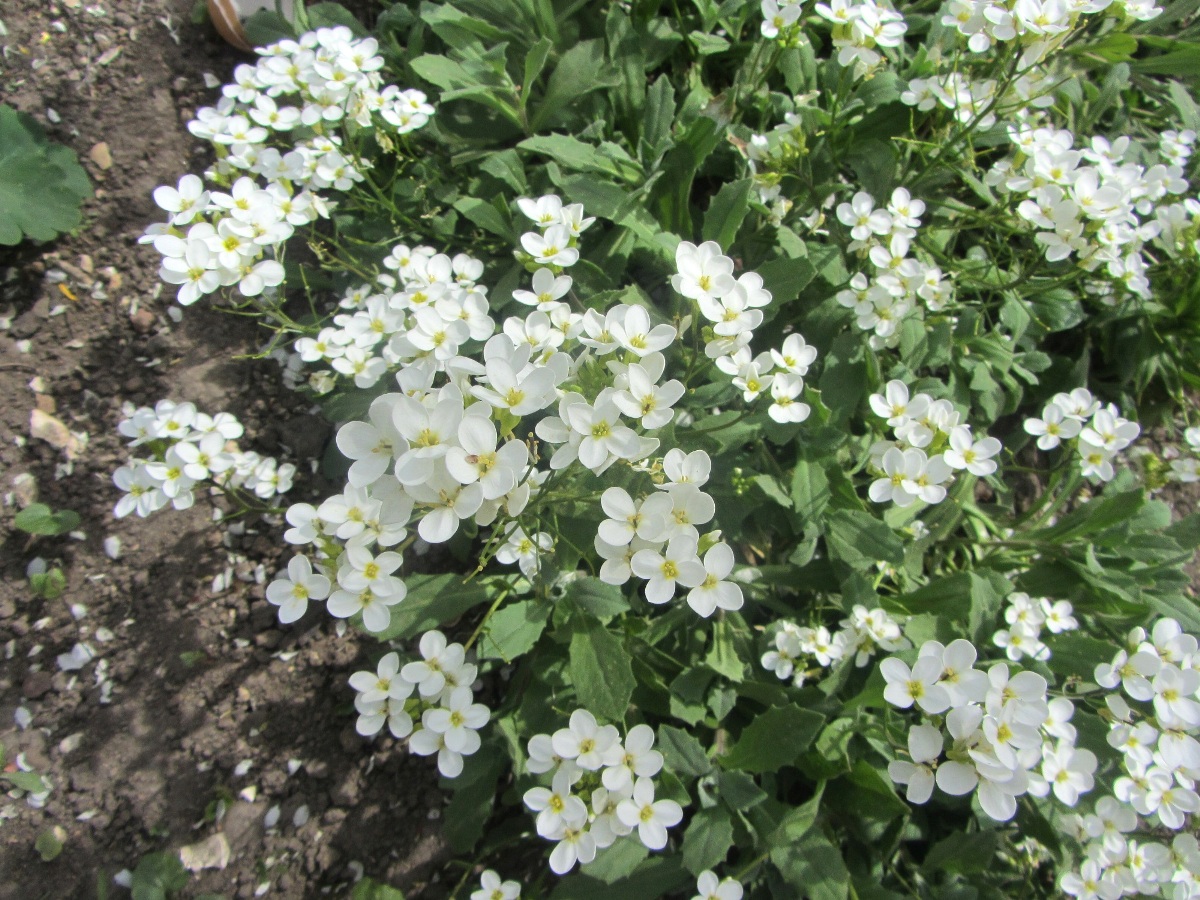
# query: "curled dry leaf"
210,853
51,430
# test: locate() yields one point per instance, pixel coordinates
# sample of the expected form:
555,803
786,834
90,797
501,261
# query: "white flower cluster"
911,468
860,29
901,283
1026,617
1099,433
187,447
1186,469
438,687
734,307
861,635
1160,764
656,539
602,789
304,90
1092,204
1006,738
980,102
442,455
1039,25
422,315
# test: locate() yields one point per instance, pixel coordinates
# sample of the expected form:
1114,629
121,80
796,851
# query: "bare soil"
201,680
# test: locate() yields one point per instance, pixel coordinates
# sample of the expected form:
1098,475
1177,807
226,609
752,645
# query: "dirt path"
198,681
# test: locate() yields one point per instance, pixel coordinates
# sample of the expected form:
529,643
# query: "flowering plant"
768,377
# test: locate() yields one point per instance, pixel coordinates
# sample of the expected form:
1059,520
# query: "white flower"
712,888
704,273
552,248
636,758
587,743
556,806
492,888
458,721
1068,770
651,818
967,453
677,563
291,594
627,519
924,746
918,685
715,591
439,660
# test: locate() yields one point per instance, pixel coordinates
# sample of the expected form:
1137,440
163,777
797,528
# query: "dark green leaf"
38,518
601,600
739,791
431,602
774,739
726,212
707,840
467,812
860,540
963,853
616,862
514,630
601,670
722,656
42,185
815,866
683,754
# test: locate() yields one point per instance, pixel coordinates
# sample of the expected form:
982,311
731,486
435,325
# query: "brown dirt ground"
202,681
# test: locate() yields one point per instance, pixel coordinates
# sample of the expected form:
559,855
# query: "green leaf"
506,166
601,670
42,185
514,630
739,791
26,781
815,866
657,877
810,490
369,889
1077,654
774,739
328,15
600,599
49,843
157,876
707,840
722,656
860,540
580,70
486,216
267,27
616,862
467,812
985,604
574,154
799,820
786,278
963,853
432,601
658,119
770,486
683,753
38,518
726,212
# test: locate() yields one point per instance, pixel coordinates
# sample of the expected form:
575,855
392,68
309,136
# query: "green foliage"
158,876
39,519
42,185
